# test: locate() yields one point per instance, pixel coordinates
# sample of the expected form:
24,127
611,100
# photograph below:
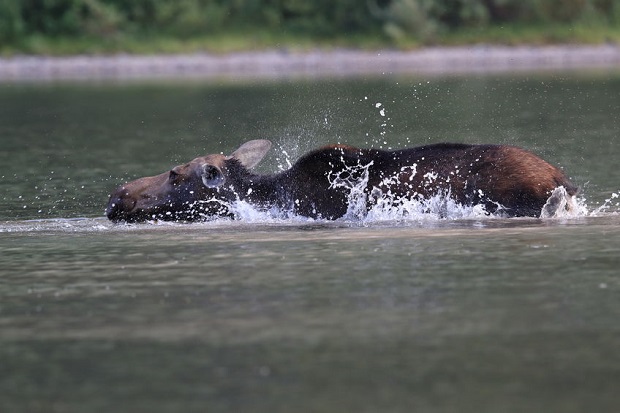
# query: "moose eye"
173,176
212,176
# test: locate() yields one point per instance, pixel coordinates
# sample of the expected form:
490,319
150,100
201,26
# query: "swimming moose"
504,179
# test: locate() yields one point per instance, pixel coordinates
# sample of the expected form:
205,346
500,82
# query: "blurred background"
148,26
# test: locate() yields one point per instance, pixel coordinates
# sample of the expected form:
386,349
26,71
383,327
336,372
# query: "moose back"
504,179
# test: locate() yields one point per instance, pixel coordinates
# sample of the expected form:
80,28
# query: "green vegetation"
155,26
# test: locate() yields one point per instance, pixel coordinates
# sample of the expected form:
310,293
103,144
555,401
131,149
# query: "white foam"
388,207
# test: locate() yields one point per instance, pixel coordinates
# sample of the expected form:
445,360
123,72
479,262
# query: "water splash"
387,206
354,180
380,205
610,205
440,209
391,209
248,213
562,205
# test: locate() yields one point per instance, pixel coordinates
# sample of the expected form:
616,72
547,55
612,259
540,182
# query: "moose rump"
324,182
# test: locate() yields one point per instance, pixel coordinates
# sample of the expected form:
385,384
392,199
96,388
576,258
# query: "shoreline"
275,64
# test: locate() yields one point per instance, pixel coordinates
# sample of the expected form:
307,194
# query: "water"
277,314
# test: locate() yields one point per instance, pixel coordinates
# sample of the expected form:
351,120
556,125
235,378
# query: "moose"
504,179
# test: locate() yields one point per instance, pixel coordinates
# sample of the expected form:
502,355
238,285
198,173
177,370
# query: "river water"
464,313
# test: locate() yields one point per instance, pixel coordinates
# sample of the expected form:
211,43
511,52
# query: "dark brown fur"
500,177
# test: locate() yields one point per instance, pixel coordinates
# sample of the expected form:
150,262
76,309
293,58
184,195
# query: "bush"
421,19
317,17
11,23
424,19
66,17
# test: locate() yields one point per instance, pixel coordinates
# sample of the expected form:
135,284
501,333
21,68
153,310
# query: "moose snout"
121,203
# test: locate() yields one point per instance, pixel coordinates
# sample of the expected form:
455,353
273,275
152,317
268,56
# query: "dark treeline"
421,19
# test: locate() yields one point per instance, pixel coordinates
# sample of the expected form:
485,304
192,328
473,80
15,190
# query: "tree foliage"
421,19
427,18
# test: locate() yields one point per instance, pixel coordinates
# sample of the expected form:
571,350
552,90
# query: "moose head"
203,187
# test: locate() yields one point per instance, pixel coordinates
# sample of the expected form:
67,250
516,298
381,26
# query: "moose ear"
212,176
252,152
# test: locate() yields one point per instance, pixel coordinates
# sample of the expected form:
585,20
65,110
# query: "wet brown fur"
492,175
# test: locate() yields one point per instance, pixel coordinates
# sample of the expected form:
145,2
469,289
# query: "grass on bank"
261,39
234,41
513,35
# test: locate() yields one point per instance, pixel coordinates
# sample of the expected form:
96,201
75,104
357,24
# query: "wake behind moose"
324,183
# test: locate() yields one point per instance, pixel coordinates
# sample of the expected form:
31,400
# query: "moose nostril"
119,206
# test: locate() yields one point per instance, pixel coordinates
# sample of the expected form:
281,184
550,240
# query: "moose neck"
270,190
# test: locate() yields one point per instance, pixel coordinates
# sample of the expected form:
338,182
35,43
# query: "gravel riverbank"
339,62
